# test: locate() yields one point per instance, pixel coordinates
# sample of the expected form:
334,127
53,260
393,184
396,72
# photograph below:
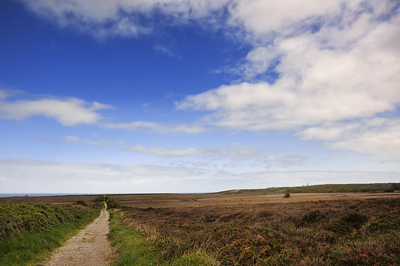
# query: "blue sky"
197,95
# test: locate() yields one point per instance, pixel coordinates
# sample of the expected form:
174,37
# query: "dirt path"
89,247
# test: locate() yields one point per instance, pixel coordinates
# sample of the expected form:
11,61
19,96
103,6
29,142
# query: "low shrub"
287,195
100,199
82,202
112,203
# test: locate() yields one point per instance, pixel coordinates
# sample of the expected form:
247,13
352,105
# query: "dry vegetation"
305,229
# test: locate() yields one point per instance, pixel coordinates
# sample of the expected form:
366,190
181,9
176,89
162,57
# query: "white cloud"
377,136
383,140
317,85
68,112
262,17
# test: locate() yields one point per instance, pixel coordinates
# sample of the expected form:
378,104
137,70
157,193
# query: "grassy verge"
35,242
135,248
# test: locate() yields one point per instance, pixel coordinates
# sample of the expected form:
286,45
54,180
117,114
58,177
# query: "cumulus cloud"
337,62
68,112
316,85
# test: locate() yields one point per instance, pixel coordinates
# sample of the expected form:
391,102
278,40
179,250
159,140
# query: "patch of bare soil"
89,247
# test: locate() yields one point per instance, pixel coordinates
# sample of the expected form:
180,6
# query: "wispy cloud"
165,151
67,111
157,127
35,176
121,18
72,139
243,154
163,49
3,94
27,175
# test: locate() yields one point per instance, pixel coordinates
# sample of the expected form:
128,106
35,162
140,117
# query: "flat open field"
222,200
264,229
203,200
305,229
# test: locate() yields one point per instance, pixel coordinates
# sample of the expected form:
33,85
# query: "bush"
287,195
112,203
82,202
100,198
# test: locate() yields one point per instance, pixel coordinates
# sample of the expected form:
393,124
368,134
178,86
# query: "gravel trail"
89,247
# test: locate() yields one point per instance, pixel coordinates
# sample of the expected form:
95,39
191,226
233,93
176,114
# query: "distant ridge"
327,188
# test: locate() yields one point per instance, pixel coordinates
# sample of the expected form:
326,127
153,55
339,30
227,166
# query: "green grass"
134,248
34,238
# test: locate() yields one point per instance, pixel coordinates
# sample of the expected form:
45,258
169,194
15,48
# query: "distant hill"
328,188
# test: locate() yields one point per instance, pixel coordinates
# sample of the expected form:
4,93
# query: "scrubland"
252,229
255,227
